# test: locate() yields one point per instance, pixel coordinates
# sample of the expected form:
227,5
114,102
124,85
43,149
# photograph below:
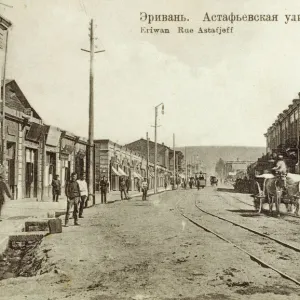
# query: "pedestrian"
103,188
138,185
73,198
166,184
83,194
123,188
144,189
56,188
4,189
198,183
127,181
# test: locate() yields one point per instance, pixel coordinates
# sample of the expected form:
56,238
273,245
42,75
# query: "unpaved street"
146,250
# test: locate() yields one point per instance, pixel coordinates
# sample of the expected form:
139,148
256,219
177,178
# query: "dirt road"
146,250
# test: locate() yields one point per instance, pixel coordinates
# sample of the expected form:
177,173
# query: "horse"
272,192
273,188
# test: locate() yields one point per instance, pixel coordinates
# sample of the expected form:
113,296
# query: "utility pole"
186,171
147,157
3,158
90,156
174,160
155,146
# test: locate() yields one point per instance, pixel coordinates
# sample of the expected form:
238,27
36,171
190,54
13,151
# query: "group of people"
141,186
76,191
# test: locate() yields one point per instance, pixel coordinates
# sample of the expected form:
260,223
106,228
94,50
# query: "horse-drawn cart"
271,189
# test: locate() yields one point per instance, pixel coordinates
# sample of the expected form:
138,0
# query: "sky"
217,89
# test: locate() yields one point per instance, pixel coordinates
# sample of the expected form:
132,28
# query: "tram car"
213,181
202,178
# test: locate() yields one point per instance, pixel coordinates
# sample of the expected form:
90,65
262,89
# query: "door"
28,179
31,173
11,168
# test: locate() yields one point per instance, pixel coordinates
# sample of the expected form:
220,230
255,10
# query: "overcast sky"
217,90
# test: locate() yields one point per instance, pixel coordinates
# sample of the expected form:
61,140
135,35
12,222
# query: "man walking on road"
73,199
144,189
83,194
4,189
103,188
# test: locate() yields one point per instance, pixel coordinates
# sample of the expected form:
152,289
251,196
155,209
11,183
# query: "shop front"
12,134
66,157
32,159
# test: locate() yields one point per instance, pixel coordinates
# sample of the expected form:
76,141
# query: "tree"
220,168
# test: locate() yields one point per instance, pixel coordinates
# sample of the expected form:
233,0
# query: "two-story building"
36,151
282,137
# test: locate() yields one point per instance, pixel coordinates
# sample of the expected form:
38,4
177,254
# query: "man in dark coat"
73,198
103,188
56,188
4,189
127,182
123,188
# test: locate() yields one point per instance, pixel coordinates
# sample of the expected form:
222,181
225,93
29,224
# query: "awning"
67,149
122,173
53,136
81,153
137,175
35,132
115,171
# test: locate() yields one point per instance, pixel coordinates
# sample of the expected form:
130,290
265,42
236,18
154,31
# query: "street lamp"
155,141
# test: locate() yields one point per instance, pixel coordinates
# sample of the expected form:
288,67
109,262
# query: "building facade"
114,161
282,137
34,151
165,155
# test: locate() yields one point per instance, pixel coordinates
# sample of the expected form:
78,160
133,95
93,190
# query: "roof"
5,23
15,98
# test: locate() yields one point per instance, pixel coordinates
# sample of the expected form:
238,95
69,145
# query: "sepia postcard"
149,149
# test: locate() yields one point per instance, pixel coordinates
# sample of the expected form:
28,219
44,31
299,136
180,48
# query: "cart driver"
281,169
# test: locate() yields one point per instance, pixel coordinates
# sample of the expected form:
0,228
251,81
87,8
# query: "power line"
10,6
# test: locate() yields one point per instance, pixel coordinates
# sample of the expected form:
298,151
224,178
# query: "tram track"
251,205
252,256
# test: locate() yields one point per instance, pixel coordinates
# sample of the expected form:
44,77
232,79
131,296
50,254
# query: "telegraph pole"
186,174
147,157
90,156
174,159
155,152
155,145
3,158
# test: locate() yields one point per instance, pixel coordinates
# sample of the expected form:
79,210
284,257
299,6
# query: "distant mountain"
209,155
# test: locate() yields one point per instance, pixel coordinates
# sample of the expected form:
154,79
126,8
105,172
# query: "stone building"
36,151
114,161
165,160
282,137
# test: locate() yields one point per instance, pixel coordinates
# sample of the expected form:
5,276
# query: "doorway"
30,173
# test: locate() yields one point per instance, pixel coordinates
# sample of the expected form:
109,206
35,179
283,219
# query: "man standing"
56,188
138,185
73,199
123,188
83,194
4,189
144,189
103,188
127,181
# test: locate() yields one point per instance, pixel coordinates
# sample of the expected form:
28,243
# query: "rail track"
253,257
251,205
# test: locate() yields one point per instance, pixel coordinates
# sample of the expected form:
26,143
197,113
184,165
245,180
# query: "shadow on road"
227,190
247,213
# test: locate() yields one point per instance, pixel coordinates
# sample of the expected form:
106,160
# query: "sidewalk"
16,212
